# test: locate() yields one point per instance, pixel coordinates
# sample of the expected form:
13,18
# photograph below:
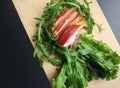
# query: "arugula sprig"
43,49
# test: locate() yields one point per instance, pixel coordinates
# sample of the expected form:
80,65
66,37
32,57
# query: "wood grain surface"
29,9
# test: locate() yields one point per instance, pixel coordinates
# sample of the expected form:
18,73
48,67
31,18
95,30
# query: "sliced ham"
64,23
78,21
74,43
72,38
63,15
66,34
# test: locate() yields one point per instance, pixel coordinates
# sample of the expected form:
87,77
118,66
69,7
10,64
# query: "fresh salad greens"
88,60
91,59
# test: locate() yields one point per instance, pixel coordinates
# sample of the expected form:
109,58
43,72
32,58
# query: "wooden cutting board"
29,9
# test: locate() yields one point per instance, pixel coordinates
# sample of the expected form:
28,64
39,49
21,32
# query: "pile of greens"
89,60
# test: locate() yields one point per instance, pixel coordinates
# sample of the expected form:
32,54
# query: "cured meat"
68,24
63,15
65,22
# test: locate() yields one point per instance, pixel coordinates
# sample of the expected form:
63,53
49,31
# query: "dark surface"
111,9
18,68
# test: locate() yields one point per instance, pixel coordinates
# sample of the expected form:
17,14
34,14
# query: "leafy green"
71,76
100,56
89,60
